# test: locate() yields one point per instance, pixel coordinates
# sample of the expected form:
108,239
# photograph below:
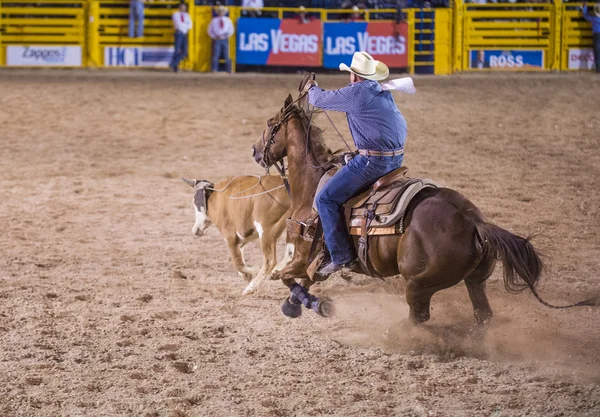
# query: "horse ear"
288,101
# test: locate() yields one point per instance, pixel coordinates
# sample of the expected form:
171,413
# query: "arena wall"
466,37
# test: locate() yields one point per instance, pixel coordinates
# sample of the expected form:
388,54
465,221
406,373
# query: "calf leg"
237,258
268,245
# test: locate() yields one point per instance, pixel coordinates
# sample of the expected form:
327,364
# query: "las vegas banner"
385,41
285,42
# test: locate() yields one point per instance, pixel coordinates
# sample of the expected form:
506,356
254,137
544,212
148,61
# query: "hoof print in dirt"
178,275
146,298
185,367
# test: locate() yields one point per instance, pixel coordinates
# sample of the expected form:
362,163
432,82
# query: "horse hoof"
325,307
290,309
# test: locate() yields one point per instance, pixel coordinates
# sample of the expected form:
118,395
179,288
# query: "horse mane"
318,148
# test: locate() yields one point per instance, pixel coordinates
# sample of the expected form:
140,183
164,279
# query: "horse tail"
522,264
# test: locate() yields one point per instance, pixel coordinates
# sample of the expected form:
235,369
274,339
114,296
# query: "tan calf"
245,208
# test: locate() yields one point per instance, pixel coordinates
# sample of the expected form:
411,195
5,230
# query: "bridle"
268,157
273,130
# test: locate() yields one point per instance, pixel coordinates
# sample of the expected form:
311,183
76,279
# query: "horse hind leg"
475,283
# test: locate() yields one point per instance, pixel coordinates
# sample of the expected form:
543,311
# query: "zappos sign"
43,56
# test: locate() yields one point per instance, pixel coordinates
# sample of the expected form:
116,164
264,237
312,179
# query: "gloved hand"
309,84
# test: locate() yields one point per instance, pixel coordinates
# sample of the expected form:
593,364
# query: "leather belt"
395,152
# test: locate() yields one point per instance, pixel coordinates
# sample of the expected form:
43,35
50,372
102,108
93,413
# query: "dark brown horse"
446,238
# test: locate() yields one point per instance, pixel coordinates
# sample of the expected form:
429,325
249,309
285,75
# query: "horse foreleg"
289,255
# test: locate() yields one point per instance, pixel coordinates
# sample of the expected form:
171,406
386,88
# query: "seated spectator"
220,30
304,17
136,13
255,5
182,23
594,18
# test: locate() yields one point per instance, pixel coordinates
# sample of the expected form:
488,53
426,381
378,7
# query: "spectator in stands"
356,16
594,18
303,17
255,5
182,23
220,30
136,13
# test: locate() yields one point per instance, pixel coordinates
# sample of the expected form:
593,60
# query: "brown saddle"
379,210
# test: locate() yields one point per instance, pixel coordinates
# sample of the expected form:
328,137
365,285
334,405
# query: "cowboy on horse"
379,131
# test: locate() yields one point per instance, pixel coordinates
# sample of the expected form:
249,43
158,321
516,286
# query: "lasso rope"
235,196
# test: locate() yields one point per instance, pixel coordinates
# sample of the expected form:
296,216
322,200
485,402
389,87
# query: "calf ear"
191,183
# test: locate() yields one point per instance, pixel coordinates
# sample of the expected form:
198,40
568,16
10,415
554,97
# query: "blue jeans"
360,173
181,49
221,50
136,12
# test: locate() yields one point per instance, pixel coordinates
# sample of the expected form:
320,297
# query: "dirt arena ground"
109,306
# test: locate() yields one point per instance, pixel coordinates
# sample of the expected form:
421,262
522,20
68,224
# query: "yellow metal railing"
576,38
43,28
440,41
530,26
109,28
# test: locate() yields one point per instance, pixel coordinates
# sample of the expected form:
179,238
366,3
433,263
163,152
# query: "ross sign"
285,42
506,60
138,56
43,56
581,58
385,41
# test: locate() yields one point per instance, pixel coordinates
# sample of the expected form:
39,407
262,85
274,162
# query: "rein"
280,166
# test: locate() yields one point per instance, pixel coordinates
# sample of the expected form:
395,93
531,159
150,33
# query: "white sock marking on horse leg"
259,229
289,254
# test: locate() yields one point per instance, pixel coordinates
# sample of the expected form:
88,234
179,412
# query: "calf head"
202,190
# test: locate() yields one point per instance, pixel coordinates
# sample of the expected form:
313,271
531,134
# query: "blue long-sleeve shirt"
375,122
594,20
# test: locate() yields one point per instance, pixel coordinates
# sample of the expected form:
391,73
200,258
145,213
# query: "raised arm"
336,100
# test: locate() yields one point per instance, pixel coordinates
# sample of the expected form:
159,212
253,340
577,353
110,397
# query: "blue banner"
341,42
279,42
506,60
253,46
385,41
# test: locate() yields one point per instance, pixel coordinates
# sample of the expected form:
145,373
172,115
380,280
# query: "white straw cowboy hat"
366,67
